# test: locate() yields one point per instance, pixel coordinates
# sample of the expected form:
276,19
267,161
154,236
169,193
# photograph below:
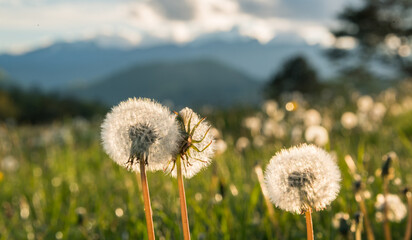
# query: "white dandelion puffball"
312,117
365,103
396,208
317,135
140,129
302,178
349,120
198,156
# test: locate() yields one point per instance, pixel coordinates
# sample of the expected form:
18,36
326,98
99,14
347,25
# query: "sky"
30,24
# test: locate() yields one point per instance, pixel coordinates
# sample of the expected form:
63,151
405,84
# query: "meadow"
57,183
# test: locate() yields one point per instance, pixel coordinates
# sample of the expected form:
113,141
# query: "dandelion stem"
183,208
269,205
146,200
358,233
386,226
309,226
408,232
362,206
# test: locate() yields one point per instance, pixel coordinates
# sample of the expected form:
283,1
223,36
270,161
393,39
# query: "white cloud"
26,24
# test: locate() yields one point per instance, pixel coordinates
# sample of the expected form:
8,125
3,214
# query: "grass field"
57,183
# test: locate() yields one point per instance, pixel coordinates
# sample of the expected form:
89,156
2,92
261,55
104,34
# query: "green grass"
72,189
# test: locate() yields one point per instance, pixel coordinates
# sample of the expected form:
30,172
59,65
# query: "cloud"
176,9
26,24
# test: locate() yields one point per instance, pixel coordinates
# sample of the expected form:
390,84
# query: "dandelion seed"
140,129
302,178
396,208
197,145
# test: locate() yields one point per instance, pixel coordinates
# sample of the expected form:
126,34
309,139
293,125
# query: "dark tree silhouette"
296,75
382,30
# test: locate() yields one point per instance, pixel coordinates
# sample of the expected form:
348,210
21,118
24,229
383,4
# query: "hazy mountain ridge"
62,65
187,83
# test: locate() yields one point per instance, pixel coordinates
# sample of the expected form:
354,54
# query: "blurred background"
195,53
268,74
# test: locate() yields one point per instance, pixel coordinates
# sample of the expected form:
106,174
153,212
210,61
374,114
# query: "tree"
382,30
296,75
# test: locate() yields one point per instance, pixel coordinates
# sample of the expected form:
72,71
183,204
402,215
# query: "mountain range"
187,83
89,70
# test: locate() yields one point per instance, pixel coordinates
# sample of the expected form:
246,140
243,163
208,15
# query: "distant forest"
34,106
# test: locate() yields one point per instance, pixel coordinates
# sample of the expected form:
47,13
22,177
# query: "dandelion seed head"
396,208
9,164
317,135
378,112
341,221
195,161
312,117
242,143
365,103
221,146
301,178
254,124
137,129
349,120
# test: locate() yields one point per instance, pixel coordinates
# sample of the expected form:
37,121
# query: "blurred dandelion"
408,231
317,135
341,221
349,120
242,143
221,146
9,164
259,141
301,179
291,106
360,198
254,124
387,173
270,107
271,128
365,103
312,117
396,208
378,112
271,211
